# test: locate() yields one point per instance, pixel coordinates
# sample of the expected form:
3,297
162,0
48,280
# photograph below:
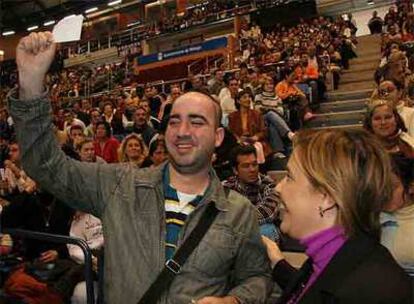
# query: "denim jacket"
230,260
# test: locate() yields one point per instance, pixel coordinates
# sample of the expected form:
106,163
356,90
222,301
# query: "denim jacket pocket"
214,254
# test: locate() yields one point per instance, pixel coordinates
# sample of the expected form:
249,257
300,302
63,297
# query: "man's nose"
183,129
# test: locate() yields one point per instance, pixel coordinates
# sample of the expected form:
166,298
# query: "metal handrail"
140,29
62,239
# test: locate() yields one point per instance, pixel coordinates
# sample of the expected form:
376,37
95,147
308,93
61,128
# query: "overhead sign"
209,45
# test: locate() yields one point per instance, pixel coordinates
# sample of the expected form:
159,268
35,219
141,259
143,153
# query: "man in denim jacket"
228,266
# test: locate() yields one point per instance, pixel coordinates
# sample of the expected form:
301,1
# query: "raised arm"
85,186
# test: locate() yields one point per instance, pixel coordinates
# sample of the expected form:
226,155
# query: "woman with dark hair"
387,125
248,125
337,183
157,153
106,146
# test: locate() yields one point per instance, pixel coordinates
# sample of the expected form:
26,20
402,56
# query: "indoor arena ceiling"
19,14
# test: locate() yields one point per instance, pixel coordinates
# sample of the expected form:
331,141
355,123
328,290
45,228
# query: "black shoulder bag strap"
173,266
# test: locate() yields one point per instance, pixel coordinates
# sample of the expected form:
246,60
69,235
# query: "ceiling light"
1,53
370,2
91,10
8,33
34,27
49,23
114,2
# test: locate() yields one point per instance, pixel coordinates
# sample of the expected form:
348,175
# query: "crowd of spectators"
390,117
326,41
205,12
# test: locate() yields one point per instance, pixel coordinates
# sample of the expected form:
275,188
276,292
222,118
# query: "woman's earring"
320,211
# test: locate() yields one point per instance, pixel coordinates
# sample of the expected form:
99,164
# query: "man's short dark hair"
154,145
75,127
141,108
240,94
107,127
228,78
241,150
83,142
108,103
217,71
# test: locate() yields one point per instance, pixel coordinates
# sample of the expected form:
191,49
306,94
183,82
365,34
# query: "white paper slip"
68,29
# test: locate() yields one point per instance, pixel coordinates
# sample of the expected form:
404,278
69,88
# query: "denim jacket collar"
214,193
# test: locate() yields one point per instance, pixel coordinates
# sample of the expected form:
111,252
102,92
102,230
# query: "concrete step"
357,79
340,95
340,115
336,119
357,76
367,39
317,124
343,105
362,67
370,46
366,60
373,51
366,85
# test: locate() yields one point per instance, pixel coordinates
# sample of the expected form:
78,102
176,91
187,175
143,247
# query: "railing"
161,84
137,33
207,63
62,239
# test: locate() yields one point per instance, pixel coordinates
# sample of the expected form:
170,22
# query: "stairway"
346,106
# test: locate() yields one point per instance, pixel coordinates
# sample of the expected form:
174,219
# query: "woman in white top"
397,218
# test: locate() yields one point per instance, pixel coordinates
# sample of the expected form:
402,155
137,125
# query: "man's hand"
9,164
49,256
218,300
34,54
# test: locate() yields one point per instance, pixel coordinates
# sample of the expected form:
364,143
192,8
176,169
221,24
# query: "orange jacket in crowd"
284,90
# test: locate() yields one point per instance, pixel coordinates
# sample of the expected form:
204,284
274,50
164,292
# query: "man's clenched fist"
34,54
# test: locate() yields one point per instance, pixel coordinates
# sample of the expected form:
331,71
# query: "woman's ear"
327,201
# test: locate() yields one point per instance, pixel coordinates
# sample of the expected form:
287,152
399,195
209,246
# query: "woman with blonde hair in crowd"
338,182
133,150
386,124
